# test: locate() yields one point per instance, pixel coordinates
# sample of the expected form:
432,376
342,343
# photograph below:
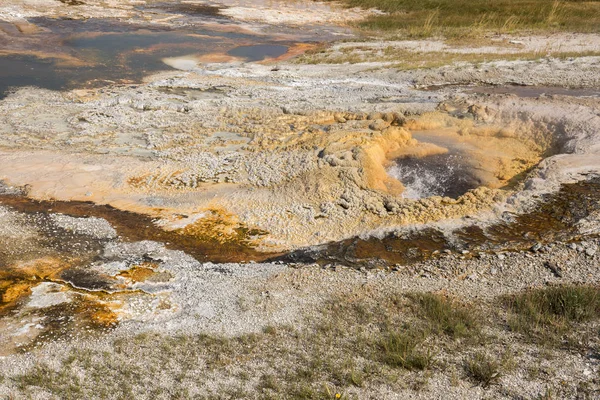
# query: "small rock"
339,118
590,251
344,204
389,117
374,116
379,125
501,256
556,270
536,247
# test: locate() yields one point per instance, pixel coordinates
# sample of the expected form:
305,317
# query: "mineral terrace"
207,200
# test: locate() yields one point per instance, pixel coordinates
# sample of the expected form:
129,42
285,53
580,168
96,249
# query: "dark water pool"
16,71
449,174
109,51
258,52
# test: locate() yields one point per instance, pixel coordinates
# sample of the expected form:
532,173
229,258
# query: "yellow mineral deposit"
357,154
139,273
17,280
32,316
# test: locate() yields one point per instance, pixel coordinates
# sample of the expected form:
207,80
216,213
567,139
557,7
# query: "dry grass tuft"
445,315
354,343
483,369
547,314
406,350
460,18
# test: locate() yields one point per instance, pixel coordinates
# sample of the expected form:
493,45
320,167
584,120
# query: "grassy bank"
464,18
403,59
399,341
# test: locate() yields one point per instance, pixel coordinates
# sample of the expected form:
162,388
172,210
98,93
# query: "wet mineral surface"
564,217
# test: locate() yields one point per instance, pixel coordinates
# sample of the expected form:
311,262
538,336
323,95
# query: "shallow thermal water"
66,54
125,56
258,52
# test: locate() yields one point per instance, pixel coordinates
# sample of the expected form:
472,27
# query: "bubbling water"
436,175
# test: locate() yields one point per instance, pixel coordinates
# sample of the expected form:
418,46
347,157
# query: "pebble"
536,247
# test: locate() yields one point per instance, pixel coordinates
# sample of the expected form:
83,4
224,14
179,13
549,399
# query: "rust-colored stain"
93,299
85,315
85,312
222,227
17,280
43,268
99,314
554,219
293,51
139,273
215,240
14,292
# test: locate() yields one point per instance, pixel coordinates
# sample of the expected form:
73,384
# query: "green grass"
458,18
354,342
484,369
403,59
547,314
406,350
445,315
